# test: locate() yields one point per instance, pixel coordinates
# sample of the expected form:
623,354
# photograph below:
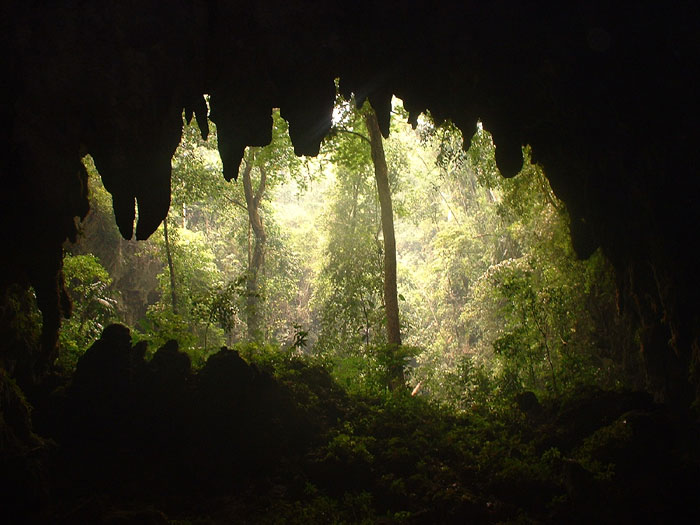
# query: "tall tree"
256,255
391,301
273,163
360,161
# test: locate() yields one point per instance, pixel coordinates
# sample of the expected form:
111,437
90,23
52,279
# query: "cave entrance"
288,262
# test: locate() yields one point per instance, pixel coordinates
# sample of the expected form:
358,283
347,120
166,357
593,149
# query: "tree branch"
350,132
236,203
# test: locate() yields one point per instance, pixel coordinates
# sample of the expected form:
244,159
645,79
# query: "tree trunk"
391,302
171,270
256,259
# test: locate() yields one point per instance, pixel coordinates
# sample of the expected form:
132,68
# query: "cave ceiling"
605,94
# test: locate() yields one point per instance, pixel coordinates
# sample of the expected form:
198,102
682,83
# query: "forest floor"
127,440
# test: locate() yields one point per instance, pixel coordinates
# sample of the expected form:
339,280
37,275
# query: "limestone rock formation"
604,94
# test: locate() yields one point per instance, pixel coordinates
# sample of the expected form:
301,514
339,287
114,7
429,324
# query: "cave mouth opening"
596,115
276,436
492,299
275,433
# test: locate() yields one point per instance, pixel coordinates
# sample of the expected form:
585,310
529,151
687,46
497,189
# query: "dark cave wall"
603,93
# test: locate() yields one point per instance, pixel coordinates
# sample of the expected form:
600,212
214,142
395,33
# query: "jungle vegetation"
390,331
489,299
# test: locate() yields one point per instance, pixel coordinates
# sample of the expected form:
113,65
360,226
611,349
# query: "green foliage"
348,302
267,356
203,299
545,336
196,172
161,325
224,304
509,305
94,306
349,293
493,299
300,340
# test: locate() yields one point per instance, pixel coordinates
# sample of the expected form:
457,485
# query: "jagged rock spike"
509,157
153,202
238,125
231,158
189,112
309,125
200,112
381,102
413,118
345,88
414,111
124,205
509,149
468,127
466,140
307,137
